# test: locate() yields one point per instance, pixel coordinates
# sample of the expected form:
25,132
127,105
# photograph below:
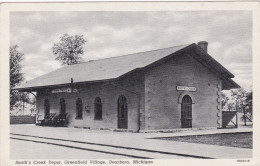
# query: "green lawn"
241,140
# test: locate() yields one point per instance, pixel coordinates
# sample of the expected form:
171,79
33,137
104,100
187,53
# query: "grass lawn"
241,140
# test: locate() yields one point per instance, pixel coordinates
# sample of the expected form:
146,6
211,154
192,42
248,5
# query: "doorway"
79,109
186,112
46,107
122,113
62,106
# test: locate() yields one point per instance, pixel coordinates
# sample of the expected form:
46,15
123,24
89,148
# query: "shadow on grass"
241,140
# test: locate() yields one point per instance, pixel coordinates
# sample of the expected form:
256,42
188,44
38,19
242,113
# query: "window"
62,106
46,107
79,108
98,109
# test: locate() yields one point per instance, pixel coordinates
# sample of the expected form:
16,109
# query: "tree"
16,77
21,99
239,98
241,101
15,67
69,49
224,99
249,102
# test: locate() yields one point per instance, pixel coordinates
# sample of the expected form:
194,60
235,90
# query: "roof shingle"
102,69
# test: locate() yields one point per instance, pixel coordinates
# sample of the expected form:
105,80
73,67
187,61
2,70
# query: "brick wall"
129,86
154,92
162,100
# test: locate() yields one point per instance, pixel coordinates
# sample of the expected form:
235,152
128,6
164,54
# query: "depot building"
169,88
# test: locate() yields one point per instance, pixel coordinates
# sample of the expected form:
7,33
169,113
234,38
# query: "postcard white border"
5,8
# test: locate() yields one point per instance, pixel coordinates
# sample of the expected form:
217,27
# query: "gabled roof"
106,69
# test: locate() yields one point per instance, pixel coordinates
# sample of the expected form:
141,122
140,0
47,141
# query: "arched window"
186,112
46,107
122,113
79,108
98,109
62,106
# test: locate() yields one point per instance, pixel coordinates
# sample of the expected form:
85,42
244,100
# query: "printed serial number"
243,161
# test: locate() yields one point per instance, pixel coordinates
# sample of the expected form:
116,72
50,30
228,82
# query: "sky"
110,34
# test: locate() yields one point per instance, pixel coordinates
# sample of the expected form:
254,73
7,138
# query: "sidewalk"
138,140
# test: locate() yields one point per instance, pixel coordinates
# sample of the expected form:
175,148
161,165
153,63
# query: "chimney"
203,45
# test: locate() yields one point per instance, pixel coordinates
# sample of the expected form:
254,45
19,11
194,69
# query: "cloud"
100,54
215,45
52,65
229,34
240,51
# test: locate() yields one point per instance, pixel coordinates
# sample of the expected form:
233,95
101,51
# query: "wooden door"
46,107
79,109
186,112
122,113
62,106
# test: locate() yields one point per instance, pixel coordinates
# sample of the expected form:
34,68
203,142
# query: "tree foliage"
16,77
239,99
70,49
224,99
249,102
20,99
239,96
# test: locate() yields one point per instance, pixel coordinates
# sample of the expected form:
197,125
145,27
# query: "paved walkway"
138,140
